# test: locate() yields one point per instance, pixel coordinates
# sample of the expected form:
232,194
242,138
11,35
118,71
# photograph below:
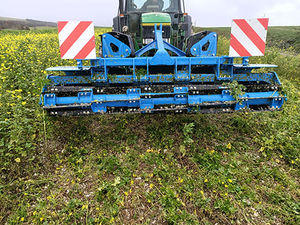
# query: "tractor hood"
150,19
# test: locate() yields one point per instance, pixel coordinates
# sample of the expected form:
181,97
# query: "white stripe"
80,43
245,41
66,31
92,55
233,53
258,28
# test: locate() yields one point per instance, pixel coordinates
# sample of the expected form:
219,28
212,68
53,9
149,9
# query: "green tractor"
137,19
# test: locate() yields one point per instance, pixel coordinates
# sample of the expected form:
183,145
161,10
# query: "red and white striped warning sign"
77,40
248,37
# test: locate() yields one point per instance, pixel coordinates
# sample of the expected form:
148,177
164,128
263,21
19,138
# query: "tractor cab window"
152,5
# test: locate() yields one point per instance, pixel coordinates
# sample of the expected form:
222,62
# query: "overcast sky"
204,12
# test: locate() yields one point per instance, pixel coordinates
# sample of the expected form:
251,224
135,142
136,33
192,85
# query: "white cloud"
204,12
286,13
220,13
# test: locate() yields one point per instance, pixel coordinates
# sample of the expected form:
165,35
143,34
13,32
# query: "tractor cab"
137,19
168,6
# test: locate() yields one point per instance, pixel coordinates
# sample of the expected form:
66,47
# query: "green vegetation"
142,169
282,37
23,24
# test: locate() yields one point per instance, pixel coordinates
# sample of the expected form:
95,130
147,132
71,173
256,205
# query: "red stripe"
264,22
73,37
86,50
61,25
238,47
251,34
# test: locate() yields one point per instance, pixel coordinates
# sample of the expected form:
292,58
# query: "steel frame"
182,76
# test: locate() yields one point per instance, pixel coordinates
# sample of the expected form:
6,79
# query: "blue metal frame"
108,45
225,70
212,40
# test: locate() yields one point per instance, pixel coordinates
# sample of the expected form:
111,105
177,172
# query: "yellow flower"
229,146
229,180
23,103
126,193
205,181
85,207
180,180
151,186
18,160
22,219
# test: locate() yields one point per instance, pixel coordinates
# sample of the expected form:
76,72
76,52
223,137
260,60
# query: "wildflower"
180,180
205,181
22,219
229,146
85,207
23,103
229,180
151,186
126,193
18,160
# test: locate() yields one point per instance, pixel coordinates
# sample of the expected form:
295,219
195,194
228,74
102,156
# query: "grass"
141,169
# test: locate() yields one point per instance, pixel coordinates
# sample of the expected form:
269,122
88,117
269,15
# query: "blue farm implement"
158,77
202,82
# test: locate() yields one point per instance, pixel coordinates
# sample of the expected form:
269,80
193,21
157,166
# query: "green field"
142,169
287,38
